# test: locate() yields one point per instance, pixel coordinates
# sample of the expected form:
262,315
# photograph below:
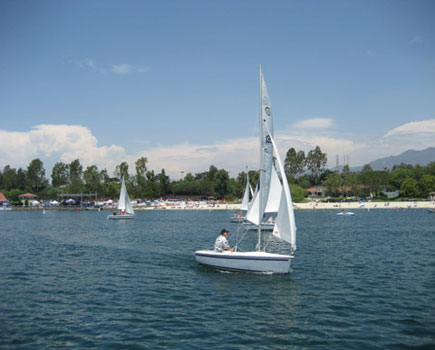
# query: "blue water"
78,281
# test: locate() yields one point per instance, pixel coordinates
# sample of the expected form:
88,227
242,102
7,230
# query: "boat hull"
264,226
245,261
120,217
346,214
241,219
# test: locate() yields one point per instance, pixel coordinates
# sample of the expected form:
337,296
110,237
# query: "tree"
221,179
141,166
316,161
59,174
426,184
399,175
75,169
294,163
21,181
334,183
298,193
374,181
75,177
351,181
9,178
141,169
409,187
104,175
92,179
164,183
122,170
211,175
36,174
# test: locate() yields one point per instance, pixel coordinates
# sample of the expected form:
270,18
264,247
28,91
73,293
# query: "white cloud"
314,123
127,68
64,142
419,127
53,143
122,68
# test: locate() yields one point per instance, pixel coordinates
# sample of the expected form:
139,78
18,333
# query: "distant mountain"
412,157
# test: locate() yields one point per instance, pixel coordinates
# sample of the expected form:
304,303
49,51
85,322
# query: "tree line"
303,171
403,180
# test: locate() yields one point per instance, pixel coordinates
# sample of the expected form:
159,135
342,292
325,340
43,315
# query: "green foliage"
334,183
13,195
411,181
60,174
122,170
294,163
409,187
316,161
92,179
426,185
298,193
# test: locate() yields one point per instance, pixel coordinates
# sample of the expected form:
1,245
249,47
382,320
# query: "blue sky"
177,81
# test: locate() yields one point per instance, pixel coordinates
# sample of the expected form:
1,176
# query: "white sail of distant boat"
125,209
272,194
238,217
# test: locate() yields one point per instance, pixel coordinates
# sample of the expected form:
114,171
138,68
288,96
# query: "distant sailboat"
270,187
245,202
125,209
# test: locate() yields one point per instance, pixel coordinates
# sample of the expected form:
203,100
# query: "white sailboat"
125,209
245,202
272,192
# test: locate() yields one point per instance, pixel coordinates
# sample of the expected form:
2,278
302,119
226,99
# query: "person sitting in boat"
221,243
114,212
270,220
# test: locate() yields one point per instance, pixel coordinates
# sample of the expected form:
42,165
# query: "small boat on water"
431,210
125,209
271,189
345,213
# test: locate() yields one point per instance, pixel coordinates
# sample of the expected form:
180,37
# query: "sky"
177,81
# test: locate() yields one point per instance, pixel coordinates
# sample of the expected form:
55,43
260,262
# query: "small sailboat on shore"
284,227
125,209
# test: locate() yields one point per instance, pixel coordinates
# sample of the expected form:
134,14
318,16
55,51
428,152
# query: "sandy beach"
300,206
312,206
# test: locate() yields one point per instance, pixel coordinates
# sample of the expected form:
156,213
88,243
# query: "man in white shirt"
221,243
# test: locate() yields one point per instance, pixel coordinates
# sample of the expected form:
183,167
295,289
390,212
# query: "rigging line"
236,245
230,237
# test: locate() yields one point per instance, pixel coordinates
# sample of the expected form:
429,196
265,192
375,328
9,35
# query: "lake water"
73,280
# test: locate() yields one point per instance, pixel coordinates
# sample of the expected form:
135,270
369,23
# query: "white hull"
346,214
245,261
120,217
241,219
264,226
5,208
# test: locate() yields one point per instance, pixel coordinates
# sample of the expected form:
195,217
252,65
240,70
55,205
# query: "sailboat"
270,188
125,209
245,202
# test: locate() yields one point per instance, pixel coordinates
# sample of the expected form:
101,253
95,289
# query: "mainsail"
266,148
245,202
124,203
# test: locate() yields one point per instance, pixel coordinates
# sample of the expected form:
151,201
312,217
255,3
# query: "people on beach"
221,242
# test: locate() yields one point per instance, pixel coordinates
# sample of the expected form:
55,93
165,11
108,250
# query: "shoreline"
297,206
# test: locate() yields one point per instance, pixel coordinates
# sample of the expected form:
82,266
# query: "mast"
261,165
